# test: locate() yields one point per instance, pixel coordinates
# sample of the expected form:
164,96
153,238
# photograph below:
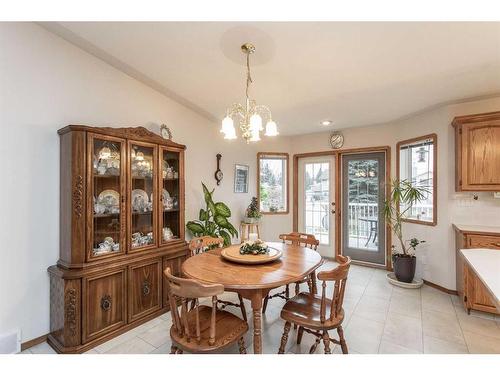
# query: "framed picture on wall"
241,178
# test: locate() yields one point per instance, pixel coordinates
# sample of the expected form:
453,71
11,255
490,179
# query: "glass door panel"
142,195
363,196
169,196
316,200
107,184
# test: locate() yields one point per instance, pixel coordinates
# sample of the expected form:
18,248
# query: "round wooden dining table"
253,282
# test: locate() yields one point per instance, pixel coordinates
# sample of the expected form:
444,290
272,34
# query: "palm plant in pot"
403,196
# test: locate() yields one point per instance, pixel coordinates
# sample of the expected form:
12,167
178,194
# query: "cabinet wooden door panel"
104,305
477,148
481,297
488,242
483,153
144,289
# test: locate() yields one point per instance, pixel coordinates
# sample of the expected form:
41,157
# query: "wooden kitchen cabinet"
470,288
477,152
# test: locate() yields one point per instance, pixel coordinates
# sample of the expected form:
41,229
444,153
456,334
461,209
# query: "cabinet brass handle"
106,302
146,288
496,244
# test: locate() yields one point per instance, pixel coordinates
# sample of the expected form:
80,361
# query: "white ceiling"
352,73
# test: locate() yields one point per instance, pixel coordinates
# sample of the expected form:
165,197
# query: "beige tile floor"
380,318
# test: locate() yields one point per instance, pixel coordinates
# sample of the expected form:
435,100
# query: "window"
416,163
272,182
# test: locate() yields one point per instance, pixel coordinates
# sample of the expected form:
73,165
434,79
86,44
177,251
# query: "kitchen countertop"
486,265
477,228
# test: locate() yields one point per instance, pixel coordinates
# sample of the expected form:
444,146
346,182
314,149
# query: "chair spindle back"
187,323
339,276
198,244
300,239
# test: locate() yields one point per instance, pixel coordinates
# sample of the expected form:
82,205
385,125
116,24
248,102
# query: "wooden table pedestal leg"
257,321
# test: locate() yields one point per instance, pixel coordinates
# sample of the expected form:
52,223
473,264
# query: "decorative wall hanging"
218,173
241,178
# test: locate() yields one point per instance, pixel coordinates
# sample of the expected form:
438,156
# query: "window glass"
416,165
273,181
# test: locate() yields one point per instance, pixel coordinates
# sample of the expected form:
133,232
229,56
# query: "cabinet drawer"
104,303
144,288
489,242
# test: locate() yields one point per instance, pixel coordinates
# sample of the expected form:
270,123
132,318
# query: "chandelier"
250,116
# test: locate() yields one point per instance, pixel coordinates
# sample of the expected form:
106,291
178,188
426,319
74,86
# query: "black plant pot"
404,267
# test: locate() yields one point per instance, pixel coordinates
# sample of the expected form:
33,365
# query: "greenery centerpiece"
403,196
213,220
254,247
252,213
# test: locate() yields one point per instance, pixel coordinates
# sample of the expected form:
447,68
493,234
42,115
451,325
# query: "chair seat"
304,310
228,329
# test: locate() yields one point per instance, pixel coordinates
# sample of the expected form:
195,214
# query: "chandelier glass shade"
251,116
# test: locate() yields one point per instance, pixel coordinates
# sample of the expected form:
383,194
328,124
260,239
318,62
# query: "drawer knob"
146,288
106,302
496,244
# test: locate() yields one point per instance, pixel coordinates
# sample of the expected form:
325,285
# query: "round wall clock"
165,132
336,140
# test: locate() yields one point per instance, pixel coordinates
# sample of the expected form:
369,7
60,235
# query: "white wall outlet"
496,194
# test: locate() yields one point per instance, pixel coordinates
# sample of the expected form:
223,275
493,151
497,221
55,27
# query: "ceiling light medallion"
249,116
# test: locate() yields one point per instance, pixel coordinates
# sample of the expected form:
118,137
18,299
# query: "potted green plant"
252,213
213,220
403,194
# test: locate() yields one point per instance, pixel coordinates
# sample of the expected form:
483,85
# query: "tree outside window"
273,182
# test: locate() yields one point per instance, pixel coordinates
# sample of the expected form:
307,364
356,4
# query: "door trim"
338,217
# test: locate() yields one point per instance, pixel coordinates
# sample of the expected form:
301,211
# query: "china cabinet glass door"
143,194
106,199
170,202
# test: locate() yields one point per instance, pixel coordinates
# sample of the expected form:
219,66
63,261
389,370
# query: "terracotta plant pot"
404,267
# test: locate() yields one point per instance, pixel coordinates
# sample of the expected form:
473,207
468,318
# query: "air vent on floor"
10,342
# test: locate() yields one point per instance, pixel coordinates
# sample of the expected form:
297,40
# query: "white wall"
436,259
47,83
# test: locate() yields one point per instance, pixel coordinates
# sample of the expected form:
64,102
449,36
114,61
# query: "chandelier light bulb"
227,125
255,136
256,122
271,129
230,133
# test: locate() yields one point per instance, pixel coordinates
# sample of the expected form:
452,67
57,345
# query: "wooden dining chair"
318,314
202,329
298,239
199,245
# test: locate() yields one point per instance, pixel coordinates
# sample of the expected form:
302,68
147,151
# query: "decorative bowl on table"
251,252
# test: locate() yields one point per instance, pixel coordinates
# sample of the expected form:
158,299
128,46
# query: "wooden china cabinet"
121,224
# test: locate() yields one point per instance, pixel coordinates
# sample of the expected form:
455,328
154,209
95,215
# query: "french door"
316,206
363,195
